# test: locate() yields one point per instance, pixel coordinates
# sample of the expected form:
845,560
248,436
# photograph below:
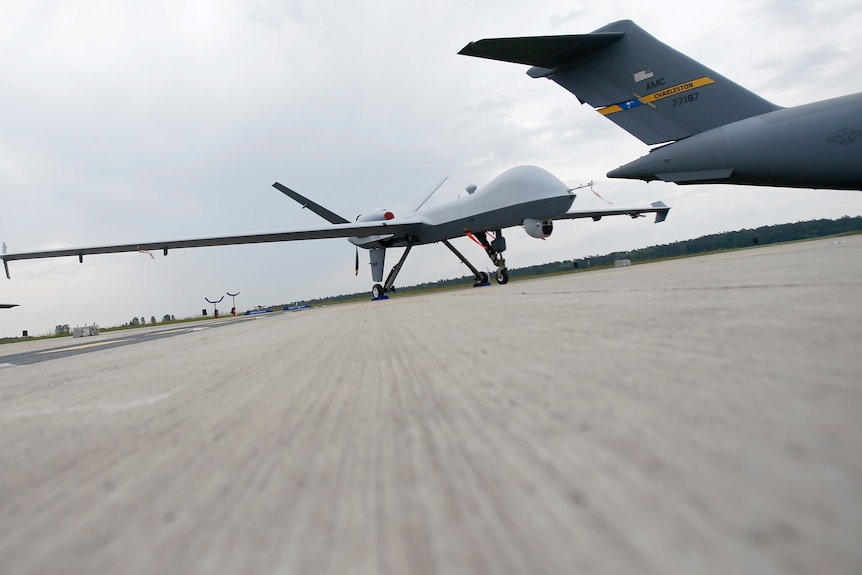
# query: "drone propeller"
356,273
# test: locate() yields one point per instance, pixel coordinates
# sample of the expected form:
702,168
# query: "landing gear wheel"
502,276
481,279
377,291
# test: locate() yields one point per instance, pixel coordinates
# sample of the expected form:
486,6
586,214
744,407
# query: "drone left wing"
658,208
358,229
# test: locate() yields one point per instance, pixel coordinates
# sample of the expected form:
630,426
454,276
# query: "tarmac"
701,415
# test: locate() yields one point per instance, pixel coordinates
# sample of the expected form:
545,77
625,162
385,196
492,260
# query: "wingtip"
661,214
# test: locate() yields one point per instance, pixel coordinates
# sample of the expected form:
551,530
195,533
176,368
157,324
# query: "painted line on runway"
84,346
104,408
173,330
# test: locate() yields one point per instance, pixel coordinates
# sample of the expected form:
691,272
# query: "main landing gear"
379,291
494,249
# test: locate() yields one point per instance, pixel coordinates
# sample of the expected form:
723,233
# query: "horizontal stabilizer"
652,91
541,51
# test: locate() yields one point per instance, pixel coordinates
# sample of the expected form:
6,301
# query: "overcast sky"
158,120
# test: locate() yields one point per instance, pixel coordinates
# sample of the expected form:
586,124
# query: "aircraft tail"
644,86
327,215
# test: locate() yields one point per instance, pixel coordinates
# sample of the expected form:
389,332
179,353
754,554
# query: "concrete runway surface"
692,416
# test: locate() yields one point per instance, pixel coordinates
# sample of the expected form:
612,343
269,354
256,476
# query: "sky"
137,121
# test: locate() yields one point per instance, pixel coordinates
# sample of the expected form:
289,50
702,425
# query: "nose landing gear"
502,276
494,249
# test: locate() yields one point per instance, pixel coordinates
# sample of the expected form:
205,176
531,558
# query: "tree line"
763,235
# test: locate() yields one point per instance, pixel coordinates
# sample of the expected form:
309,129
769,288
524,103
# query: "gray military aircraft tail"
713,130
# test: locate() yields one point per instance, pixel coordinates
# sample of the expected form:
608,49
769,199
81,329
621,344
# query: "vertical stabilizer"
644,86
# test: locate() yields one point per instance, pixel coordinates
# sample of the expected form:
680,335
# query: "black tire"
376,291
502,276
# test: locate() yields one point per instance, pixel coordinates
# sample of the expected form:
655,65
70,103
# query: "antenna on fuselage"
428,197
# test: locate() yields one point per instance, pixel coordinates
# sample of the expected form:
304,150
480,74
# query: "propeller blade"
357,261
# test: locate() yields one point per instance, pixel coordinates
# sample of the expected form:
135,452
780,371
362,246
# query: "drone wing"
658,208
358,229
